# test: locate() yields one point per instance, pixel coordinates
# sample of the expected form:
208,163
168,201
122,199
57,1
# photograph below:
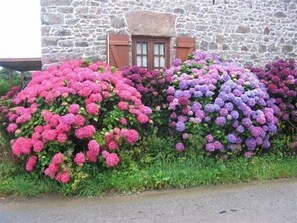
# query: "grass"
181,173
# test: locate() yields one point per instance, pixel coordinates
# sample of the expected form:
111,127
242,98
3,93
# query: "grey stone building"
247,31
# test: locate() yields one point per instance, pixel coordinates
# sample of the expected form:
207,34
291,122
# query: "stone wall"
250,31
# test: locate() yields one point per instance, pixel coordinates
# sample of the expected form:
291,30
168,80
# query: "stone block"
117,22
203,45
49,41
242,29
287,48
280,14
151,23
55,2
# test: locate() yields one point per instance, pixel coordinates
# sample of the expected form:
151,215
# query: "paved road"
273,201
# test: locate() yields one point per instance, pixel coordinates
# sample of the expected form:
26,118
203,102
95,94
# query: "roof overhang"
21,64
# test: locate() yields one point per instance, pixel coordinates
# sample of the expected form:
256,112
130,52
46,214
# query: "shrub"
152,85
280,78
221,102
72,116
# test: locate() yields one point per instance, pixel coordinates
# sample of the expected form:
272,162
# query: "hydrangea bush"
74,115
152,85
280,78
225,104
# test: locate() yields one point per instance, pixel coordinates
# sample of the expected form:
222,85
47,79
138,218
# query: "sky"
20,35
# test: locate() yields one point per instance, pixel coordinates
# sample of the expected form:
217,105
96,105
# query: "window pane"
138,62
138,48
156,49
144,48
156,62
162,61
144,61
162,49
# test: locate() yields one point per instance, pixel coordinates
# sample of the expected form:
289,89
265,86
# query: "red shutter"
118,50
184,47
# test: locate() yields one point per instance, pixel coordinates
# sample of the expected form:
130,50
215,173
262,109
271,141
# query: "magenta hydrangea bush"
280,78
152,85
72,115
223,103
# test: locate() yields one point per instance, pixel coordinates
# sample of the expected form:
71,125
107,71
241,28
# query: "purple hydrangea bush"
72,116
225,104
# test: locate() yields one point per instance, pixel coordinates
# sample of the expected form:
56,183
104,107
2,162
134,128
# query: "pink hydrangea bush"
69,114
223,103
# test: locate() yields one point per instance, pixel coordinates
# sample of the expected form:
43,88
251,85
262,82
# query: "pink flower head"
132,136
92,158
94,147
113,145
73,109
49,135
112,160
123,121
38,129
92,109
68,119
80,159
31,163
63,128
62,137
58,158
142,118
46,115
11,127
54,121
38,146
123,105
65,177
105,154
85,132
209,138
79,120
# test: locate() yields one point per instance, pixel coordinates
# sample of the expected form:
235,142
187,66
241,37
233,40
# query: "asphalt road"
273,201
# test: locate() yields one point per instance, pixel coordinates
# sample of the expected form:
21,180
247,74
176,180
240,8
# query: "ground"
273,201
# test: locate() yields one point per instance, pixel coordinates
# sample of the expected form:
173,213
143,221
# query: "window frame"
151,40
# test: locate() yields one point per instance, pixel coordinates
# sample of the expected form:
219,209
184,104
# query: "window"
150,52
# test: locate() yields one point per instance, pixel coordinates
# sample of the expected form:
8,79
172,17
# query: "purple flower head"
223,96
207,118
209,138
272,128
196,106
261,120
180,126
177,62
182,118
244,98
218,145
256,131
231,138
234,114
220,102
210,147
209,108
209,93
225,88
248,154
251,143
266,144
240,129
186,136
170,90
229,106
200,114
220,121
198,94
183,85
179,147
251,102
246,122
223,112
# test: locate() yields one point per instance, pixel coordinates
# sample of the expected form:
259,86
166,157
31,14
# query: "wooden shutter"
184,47
118,50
